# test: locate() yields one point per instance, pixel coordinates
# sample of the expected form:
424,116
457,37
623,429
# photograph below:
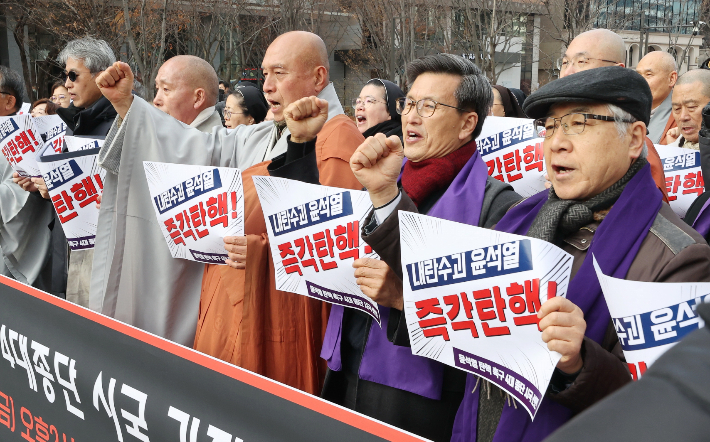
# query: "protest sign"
24,109
52,129
651,317
471,297
20,143
75,144
684,178
196,207
70,374
74,182
314,235
513,153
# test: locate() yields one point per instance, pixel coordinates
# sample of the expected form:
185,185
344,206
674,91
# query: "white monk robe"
24,229
134,277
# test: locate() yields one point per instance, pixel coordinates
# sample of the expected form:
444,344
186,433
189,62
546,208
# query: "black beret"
615,85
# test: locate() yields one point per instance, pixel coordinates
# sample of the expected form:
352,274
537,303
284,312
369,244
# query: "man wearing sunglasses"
603,203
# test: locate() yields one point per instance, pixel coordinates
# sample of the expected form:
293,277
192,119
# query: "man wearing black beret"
603,202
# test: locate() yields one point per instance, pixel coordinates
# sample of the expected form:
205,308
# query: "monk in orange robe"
243,319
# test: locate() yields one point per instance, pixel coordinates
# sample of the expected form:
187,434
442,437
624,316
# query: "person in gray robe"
661,72
24,216
135,279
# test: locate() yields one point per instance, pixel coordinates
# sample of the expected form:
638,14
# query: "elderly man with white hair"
603,203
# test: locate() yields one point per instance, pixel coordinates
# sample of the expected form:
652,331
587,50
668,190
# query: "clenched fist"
305,118
376,164
116,83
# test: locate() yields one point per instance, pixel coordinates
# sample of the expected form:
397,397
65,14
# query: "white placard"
52,129
74,185
24,109
20,144
651,317
513,153
314,234
196,207
684,178
75,144
471,297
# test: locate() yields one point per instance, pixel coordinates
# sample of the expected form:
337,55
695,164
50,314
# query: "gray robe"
134,277
81,261
660,119
24,229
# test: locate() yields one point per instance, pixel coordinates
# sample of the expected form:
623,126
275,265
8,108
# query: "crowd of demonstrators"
415,152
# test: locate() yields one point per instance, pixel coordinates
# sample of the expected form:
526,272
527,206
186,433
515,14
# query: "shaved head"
660,71
194,73
601,47
186,85
295,66
659,61
701,76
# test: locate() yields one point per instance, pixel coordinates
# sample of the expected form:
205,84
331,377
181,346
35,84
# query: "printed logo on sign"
62,174
515,384
314,212
209,258
658,327
495,260
188,190
92,145
506,139
7,128
680,162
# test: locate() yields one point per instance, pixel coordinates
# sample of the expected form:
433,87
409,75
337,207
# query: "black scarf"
559,217
389,127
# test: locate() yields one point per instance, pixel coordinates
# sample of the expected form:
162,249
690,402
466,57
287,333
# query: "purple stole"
615,245
702,221
382,361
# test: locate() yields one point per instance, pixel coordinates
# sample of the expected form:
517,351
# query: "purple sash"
615,245
382,361
702,221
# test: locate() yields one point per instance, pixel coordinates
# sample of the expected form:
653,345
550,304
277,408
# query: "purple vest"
702,221
382,361
615,245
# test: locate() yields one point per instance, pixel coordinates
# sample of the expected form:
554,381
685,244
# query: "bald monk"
599,48
187,88
135,279
661,72
243,319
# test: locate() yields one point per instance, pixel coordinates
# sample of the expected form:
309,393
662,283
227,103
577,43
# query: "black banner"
71,375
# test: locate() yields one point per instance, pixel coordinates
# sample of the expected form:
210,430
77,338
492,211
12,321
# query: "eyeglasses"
367,101
8,93
572,124
228,114
579,61
57,98
425,106
71,75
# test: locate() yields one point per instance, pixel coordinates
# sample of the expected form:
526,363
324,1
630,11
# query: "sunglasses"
71,75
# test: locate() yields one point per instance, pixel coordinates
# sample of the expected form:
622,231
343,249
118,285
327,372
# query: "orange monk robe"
243,319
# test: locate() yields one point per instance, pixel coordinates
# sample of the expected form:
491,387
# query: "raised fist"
376,164
305,118
116,83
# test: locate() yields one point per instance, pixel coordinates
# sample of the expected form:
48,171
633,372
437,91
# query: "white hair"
622,127
95,54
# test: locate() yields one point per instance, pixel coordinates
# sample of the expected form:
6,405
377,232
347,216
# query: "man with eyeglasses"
603,48
603,203
372,369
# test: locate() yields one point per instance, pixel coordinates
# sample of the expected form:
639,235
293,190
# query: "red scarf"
426,177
